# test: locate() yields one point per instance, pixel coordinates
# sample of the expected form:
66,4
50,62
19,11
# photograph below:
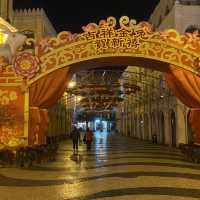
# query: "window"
190,2
29,34
192,29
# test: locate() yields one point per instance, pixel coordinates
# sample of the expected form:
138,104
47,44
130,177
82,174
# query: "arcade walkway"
118,168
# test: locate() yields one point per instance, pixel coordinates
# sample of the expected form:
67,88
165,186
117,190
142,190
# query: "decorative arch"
107,44
52,61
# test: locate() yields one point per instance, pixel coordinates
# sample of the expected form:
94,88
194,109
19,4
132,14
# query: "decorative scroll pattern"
107,40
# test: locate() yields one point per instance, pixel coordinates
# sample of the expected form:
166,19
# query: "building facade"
29,21
33,22
154,110
160,112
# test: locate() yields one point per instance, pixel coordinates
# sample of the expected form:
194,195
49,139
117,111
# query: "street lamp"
79,98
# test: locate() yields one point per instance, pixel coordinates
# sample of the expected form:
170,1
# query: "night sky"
72,15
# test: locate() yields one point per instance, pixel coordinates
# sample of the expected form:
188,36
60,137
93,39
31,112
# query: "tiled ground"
117,168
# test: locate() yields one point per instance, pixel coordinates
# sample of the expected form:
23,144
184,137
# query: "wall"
35,20
186,15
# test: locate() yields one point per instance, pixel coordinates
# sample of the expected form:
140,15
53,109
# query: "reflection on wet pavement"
116,168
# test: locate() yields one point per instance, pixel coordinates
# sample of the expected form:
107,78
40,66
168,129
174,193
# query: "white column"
180,124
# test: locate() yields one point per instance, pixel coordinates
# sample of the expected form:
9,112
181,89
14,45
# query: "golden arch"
105,44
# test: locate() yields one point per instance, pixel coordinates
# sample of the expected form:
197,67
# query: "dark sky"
71,15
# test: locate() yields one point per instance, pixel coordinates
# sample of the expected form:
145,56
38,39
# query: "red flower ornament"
26,65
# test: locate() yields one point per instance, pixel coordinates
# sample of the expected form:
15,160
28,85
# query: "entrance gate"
41,73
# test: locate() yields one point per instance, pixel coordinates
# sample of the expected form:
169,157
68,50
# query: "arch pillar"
149,126
167,128
180,124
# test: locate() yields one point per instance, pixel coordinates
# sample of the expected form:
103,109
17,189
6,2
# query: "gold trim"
31,81
11,77
26,115
7,25
129,39
10,84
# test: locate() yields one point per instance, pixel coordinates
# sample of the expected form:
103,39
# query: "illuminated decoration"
99,103
72,84
3,37
131,41
10,42
79,98
99,45
6,26
11,116
102,89
26,65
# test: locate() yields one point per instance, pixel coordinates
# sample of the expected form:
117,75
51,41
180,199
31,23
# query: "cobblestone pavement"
116,168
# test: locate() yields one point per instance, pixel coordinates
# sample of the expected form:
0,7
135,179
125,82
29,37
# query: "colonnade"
166,117
60,121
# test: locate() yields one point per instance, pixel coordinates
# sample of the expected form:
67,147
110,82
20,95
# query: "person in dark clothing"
89,138
154,139
75,136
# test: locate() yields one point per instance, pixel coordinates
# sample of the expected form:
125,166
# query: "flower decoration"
26,65
7,97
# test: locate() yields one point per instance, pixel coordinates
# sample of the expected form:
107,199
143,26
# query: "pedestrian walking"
154,138
75,136
89,138
81,136
100,133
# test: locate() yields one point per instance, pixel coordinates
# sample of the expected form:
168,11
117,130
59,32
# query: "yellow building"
33,22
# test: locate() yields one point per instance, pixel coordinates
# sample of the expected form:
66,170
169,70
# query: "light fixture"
79,98
65,94
72,84
3,37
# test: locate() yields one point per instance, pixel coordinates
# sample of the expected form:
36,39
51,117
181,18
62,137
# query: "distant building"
32,22
179,15
6,9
